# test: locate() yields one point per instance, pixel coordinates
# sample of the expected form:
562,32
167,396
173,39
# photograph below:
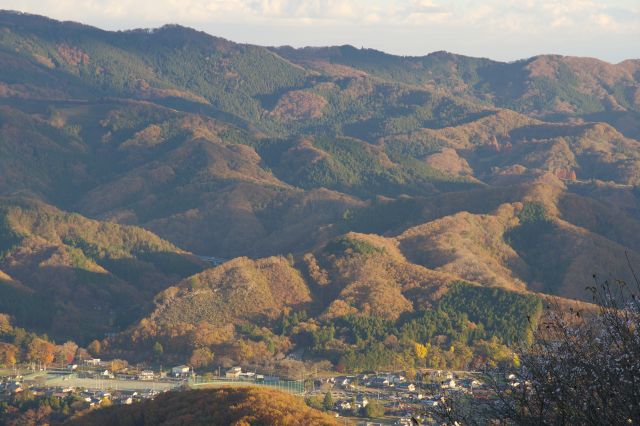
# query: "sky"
499,29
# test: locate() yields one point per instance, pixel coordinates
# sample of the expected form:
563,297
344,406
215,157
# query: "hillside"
227,406
344,302
546,86
76,278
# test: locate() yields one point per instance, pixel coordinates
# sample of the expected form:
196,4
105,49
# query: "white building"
181,371
146,375
233,373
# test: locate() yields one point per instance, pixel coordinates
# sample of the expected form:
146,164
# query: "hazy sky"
499,29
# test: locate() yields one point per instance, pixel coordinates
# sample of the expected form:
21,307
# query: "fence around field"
292,386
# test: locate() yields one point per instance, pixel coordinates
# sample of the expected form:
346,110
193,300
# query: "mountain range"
337,182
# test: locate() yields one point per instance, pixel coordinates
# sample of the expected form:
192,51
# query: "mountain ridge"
27,17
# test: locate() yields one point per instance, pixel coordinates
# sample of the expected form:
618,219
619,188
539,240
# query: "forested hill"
238,406
520,176
546,86
76,278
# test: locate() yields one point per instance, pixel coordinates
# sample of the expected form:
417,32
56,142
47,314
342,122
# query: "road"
215,261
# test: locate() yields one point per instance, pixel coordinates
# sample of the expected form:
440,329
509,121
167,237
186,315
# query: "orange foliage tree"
39,350
8,354
66,352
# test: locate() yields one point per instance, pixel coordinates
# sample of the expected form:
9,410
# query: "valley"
169,197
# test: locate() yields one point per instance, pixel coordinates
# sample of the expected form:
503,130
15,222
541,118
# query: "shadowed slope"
229,406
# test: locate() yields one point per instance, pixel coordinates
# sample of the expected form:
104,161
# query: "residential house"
448,384
380,382
344,406
14,387
146,375
106,374
362,378
406,386
343,381
470,383
247,375
233,373
396,378
362,401
181,371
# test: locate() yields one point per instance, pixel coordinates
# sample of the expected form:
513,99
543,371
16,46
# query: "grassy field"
295,387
